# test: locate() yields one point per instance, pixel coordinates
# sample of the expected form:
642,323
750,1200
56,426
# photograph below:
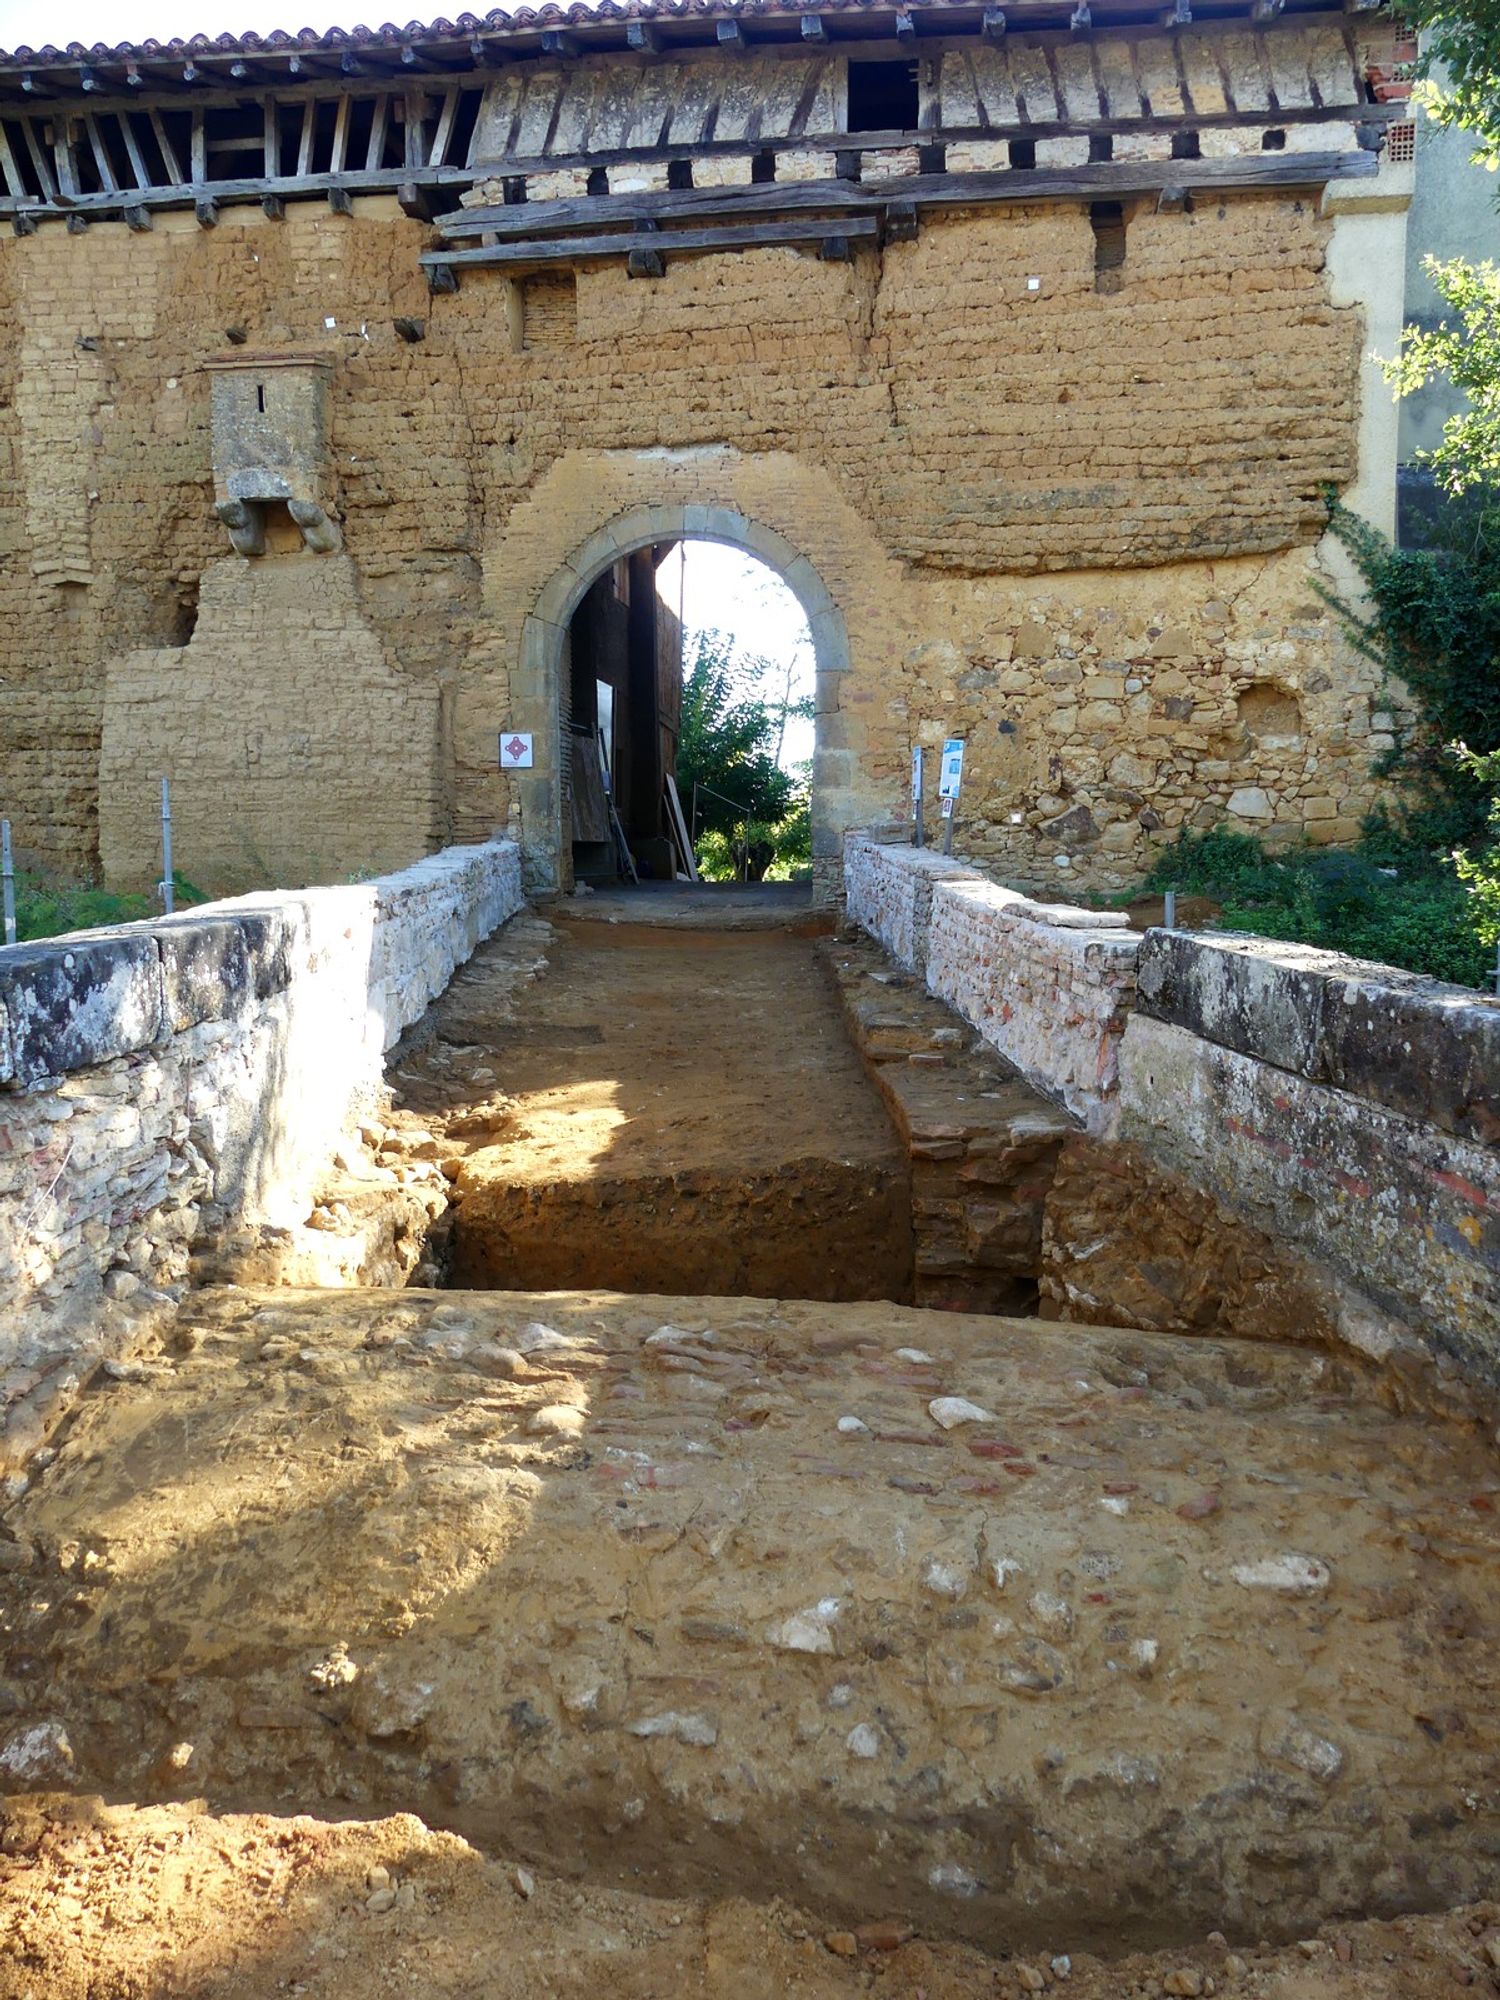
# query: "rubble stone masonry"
1077,526
158,1078
1283,1142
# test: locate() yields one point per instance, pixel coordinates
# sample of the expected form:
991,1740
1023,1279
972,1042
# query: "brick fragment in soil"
323,1544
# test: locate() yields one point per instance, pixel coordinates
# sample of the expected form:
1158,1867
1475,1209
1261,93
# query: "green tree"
1479,869
1467,354
752,811
1460,63
1432,622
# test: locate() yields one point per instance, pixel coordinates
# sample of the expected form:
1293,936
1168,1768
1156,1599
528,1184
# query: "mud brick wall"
260,790
157,1078
1079,527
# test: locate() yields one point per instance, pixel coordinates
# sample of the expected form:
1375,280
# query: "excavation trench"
776,1114
657,1110
652,1540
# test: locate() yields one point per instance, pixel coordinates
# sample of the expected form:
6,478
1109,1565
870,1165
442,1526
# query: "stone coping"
931,865
1418,1046
72,1002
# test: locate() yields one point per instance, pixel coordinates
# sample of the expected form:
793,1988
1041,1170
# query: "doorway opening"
688,721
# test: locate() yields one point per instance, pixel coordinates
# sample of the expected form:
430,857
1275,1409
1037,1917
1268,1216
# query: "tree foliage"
1467,354
752,811
1418,915
1460,62
1432,622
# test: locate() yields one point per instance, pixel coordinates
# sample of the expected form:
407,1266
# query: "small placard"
948,798
515,750
952,778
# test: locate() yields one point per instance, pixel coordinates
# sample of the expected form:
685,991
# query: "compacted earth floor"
743,1646
663,1109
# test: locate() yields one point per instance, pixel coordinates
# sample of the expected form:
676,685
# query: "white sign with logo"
951,781
515,750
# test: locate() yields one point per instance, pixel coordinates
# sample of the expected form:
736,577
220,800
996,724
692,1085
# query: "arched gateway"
540,686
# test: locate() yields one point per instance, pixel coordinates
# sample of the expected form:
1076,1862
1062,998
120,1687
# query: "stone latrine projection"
270,437
1035,339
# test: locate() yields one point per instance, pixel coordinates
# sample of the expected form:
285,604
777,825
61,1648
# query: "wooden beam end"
415,201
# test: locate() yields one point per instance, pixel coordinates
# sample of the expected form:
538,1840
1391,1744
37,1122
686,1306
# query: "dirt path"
1021,1634
662,1110
106,1903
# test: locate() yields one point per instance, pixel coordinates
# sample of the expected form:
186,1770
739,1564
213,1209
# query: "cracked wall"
1077,526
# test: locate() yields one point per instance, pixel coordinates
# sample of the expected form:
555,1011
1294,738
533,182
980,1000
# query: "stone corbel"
246,524
320,531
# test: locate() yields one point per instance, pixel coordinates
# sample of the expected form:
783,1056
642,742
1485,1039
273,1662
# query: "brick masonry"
1048,986
1079,527
161,1079
1284,1142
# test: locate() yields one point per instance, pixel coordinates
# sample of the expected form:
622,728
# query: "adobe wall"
1078,526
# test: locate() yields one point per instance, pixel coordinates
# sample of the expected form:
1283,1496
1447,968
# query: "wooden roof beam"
648,243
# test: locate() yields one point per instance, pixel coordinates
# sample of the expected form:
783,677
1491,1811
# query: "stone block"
1417,1046
80,1001
212,967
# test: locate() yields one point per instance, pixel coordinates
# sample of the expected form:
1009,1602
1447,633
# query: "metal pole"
950,813
1494,976
1169,910
165,884
8,877
918,787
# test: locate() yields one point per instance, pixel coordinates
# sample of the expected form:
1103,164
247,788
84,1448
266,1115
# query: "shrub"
1421,918
51,909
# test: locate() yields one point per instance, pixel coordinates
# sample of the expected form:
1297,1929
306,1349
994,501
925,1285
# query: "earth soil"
664,1110
1008,1631
101,1902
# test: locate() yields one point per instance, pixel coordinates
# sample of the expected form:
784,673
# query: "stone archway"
537,686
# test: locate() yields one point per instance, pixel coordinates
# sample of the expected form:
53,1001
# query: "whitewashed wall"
155,1077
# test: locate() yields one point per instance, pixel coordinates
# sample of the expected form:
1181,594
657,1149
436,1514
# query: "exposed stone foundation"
1312,1139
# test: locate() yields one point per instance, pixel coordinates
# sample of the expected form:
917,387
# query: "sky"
34,23
724,590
